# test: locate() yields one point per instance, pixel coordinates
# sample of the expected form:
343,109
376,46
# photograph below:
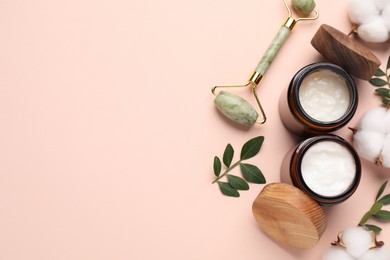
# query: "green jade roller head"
238,109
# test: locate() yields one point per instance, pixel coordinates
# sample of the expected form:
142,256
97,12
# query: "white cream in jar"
321,98
328,168
324,95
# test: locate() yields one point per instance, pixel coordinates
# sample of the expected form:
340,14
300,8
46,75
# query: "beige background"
108,128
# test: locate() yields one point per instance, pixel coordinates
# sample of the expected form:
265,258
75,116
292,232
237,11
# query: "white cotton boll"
387,121
386,16
372,138
382,253
373,120
381,4
368,144
357,241
362,11
385,154
374,31
336,253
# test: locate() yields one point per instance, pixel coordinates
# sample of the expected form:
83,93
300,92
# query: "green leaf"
251,148
377,82
365,218
237,182
383,215
374,228
228,155
388,63
385,200
228,190
385,92
217,166
376,208
385,102
252,174
380,191
379,73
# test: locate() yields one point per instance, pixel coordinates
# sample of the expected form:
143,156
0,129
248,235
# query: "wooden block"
346,52
289,216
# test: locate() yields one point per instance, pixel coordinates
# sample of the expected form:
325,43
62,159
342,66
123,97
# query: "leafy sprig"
250,172
380,80
376,210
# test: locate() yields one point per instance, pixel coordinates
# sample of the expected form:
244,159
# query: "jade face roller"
238,109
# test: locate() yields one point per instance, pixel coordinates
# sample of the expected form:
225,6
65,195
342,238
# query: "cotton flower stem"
227,171
379,161
353,30
353,129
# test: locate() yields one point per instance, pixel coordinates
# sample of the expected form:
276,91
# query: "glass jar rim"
301,150
293,91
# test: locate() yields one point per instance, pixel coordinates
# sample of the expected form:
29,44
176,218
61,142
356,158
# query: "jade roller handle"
272,50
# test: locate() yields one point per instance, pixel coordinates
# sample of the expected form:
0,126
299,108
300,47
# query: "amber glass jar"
327,168
321,98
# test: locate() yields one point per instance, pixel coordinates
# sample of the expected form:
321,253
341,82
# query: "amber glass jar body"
291,169
294,116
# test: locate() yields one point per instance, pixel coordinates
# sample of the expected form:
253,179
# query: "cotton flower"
357,243
374,31
372,18
372,137
382,253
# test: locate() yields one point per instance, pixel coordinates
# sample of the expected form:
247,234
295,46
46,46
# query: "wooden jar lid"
289,216
346,52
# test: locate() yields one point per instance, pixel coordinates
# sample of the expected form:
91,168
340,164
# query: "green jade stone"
304,7
236,108
273,49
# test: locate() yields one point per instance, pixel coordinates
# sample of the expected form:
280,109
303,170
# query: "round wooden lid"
289,216
346,52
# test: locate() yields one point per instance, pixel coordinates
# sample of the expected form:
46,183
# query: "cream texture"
328,168
324,95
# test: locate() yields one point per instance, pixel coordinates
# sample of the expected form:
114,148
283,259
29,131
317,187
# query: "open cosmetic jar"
327,168
321,98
